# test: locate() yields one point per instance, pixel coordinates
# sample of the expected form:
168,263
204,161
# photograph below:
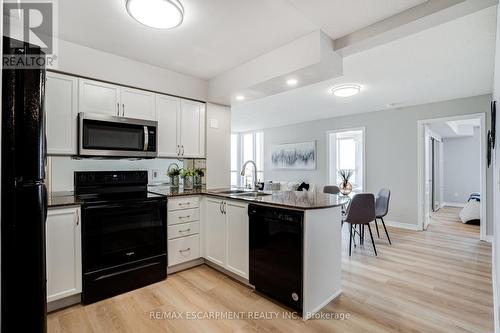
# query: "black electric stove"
124,233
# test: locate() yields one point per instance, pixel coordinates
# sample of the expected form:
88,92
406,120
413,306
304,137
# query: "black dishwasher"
276,253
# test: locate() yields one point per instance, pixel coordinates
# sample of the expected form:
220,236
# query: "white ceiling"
455,128
338,18
452,60
216,35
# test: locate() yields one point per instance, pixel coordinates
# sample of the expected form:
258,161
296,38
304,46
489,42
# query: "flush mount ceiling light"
240,98
159,14
346,90
292,82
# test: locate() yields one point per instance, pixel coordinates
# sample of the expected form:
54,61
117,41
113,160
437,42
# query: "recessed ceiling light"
160,14
292,82
346,90
240,97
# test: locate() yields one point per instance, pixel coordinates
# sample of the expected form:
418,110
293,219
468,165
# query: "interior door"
237,238
99,97
138,104
168,112
192,129
215,232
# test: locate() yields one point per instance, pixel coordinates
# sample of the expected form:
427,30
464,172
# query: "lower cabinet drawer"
183,216
183,203
184,229
183,249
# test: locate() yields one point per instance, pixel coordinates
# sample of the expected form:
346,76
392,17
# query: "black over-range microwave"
110,136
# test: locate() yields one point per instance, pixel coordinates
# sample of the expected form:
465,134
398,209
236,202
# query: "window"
346,149
246,146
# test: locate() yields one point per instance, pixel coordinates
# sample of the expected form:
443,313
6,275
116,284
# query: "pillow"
471,211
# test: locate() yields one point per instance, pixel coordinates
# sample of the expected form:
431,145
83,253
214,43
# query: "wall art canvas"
297,156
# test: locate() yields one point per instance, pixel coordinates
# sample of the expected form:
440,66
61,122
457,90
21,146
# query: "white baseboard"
454,204
489,238
400,225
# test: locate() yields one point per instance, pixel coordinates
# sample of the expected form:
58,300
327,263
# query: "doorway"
452,170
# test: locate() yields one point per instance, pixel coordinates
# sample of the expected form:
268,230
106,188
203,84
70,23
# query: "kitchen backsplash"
61,168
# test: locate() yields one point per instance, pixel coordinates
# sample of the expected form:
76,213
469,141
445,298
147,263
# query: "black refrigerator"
24,195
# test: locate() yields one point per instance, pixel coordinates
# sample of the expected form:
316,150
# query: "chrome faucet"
254,172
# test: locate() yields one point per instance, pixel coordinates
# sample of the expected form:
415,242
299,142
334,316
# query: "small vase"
197,181
188,183
174,181
345,188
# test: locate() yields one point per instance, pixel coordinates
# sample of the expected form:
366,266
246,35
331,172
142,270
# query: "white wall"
391,149
461,165
63,167
84,61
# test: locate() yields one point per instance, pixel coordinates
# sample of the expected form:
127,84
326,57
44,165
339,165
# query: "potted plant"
198,174
345,186
173,173
187,175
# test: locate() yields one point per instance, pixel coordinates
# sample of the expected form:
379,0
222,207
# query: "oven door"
119,233
103,135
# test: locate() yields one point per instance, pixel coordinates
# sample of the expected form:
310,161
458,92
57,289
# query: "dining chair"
331,189
361,212
381,209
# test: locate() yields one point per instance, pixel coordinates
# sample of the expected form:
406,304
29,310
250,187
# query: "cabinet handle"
187,230
220,207
123,107
185,250
118,109
178,150
77,219
182,150
184,203
185,217
225,208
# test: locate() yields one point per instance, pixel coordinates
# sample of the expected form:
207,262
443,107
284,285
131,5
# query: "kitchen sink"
253,194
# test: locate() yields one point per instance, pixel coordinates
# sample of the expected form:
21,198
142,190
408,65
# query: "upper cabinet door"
138,104
168,114
192,129
99,97
61,96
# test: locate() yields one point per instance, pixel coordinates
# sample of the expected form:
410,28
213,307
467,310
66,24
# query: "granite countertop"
61,199
285,199
288,199
175,192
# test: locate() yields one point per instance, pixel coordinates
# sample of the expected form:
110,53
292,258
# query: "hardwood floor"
433,281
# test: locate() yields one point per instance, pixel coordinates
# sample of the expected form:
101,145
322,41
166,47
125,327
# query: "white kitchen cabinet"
237,237
99,97
168,112
181,127
63,250
61,105
192,129
115,100
138,104
215,232
226,235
